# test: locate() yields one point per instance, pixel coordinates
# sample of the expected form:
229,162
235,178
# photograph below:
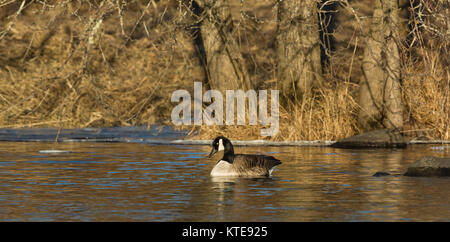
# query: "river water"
144,182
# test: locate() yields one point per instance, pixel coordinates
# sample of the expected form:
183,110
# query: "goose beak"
213,151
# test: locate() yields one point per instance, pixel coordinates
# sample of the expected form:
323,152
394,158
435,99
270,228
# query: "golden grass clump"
328,114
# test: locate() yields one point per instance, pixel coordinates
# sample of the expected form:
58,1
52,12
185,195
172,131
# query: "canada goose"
240,164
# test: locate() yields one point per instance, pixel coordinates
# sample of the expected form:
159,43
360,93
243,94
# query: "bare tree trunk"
298,47
380,93
225,65
372,79
392,91
352,22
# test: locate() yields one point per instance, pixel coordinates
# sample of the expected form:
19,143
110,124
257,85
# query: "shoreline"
248,143
155,134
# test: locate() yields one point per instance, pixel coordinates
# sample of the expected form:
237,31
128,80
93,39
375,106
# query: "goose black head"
221,143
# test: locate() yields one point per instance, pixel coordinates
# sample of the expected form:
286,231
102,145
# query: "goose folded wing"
252,161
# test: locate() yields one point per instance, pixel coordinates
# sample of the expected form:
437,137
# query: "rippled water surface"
142,182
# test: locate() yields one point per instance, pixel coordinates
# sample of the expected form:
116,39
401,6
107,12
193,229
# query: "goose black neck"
228,154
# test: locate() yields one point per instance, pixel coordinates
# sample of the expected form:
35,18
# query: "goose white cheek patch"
221,145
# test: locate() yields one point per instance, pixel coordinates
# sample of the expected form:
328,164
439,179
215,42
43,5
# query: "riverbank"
155,134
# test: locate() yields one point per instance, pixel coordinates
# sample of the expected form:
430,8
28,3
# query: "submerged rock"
381,173
381,138
429,166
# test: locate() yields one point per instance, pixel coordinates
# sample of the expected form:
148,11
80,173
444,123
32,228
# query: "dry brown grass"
60,66
328,114
426,76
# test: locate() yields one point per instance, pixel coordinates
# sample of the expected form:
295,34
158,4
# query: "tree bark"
380,90
372,79
225,65
392,91
298,47
352,21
